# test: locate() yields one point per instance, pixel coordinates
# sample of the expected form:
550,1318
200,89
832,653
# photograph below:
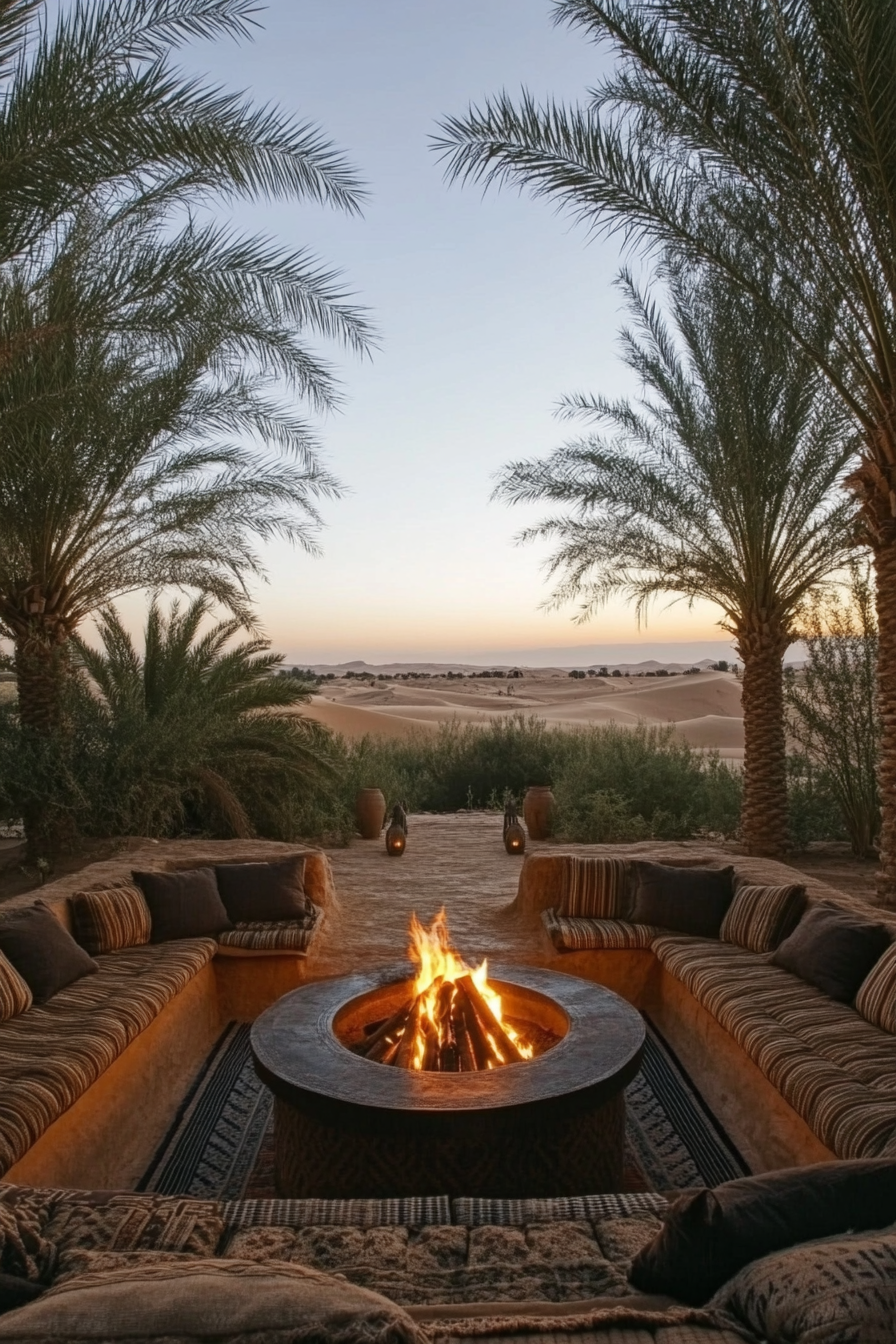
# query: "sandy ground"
705,709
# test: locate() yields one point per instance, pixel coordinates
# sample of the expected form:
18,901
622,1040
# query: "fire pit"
452,1021
349,1126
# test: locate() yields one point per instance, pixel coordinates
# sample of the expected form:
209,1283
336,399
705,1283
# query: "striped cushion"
876,999
835,1069
759,918
594,888
50,1055
583,935
107,921
15,996
414,1211
282,935
480,1212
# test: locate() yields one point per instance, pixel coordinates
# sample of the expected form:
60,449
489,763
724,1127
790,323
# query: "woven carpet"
221,1143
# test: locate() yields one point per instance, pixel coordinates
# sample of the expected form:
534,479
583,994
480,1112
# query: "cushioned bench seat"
834,1068
575,934
50,1055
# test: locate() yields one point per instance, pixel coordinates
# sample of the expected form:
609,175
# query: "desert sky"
489,310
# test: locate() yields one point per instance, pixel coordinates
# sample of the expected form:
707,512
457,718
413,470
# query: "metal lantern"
514,835
396,839
397,834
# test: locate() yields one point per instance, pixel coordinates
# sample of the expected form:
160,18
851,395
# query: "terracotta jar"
538,811
370,813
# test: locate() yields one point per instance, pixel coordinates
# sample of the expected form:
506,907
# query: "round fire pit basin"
346,1127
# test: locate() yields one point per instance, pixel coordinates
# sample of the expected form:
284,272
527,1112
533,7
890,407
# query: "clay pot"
514,838
538,812
370,813
396,840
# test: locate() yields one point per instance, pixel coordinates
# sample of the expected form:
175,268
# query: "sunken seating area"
714,1267
92,1077
92,1071
796,1071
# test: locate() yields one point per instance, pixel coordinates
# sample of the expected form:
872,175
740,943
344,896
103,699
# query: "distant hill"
359,666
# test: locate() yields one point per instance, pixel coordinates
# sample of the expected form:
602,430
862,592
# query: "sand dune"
704,709
352,721
712,731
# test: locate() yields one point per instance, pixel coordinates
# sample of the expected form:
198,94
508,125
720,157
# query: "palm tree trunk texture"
763,821
885,570
41,666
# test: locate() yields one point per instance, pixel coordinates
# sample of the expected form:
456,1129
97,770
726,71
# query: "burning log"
379,1042
449,1026
487,1024
404,1058
466,1053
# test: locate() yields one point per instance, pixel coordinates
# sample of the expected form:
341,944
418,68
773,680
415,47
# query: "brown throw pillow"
229,1300
107,921
876,999
688,900
711,1234
183,905
264,891
16,1292
832,950
15,996
45,954
760,917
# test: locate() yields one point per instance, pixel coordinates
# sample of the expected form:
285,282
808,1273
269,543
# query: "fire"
442,1001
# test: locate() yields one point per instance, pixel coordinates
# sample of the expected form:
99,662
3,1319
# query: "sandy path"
457,861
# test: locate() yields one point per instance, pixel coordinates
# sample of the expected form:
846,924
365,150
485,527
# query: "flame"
438,963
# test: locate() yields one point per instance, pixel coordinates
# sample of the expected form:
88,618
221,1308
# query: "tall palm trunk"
874,485
42,666
885,571
763,820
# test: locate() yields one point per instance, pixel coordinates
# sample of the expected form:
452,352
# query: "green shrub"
609,783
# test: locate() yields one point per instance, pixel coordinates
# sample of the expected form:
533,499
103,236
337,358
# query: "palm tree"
760,138
197,731
92,102
144,435
716,485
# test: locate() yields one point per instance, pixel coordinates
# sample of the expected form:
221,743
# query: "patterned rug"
221,1143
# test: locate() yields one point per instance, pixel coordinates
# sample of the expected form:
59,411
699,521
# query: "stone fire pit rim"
299,1056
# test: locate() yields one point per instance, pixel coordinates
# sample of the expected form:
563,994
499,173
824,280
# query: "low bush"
609,783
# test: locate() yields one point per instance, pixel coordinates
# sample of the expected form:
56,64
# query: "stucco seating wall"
794,1076
91,1080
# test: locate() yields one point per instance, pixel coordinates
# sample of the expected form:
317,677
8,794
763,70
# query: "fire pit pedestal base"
573,1155
349,1128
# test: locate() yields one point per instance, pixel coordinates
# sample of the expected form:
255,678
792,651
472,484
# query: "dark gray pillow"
16,1292
709,1235
43,952
183,905
264,891
688,900
833,950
